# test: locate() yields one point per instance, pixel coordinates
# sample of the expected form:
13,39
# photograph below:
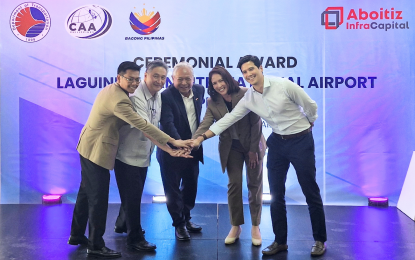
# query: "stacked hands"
185,147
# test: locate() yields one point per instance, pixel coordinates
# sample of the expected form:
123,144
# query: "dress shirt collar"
190,96
146,92
267,83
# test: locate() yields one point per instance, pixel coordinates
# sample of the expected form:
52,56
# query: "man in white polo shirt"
133,156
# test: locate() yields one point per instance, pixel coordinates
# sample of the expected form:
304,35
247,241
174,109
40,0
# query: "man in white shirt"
180,117
133,156
291,113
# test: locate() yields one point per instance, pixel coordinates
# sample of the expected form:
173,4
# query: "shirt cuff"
216,129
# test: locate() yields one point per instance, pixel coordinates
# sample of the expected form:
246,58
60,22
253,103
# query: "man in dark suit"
180,117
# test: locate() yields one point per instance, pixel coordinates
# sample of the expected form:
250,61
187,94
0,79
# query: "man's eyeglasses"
131,80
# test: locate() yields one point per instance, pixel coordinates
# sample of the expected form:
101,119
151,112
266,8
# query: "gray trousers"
237,157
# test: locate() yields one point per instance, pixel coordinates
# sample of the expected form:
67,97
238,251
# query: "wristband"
204,137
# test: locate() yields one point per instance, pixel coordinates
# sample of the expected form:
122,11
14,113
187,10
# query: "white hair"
182,64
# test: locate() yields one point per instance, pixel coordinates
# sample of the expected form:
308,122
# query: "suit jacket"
99,137
249,128
174,120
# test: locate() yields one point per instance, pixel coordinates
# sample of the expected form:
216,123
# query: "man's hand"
186,144
180,153
253,159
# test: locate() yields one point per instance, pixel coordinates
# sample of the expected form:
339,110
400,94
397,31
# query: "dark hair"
233,85
155,64
127,65
248,58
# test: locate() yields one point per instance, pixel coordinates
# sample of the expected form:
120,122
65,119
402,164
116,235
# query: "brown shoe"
319,248
274,248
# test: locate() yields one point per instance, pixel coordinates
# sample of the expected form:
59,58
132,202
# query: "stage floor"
41,232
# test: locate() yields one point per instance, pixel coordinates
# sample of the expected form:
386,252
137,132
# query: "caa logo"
328,13
30,22
89,22
145,23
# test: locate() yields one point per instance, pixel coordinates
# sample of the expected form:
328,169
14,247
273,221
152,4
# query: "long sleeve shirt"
135,149
284,105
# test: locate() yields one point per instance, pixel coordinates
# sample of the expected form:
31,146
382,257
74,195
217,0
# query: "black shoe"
124,230
274,248
192,227
120,230
104,252
181,233
73,240
143,245
319,248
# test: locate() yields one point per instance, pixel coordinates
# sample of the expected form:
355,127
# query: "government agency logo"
30,22
332,17
145,22
88,22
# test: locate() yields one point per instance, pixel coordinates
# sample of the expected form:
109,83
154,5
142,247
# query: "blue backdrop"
355,58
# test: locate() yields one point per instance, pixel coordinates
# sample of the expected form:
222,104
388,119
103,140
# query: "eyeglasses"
152,110
131,80
153,113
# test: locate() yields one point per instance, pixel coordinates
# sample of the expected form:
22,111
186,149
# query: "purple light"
378,202
51,199
378,199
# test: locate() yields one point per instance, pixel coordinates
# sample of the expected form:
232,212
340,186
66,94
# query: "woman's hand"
196,143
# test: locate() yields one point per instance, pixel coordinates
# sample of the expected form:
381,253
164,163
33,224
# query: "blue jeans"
298,151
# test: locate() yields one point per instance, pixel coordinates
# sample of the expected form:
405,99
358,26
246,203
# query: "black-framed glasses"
153,111
131,80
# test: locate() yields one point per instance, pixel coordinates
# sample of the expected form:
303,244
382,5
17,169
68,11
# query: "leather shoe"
73,240
120,230
274,248
192,227
143,245
319,248
181,233
104,252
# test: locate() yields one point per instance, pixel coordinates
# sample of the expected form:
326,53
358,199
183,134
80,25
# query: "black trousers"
91,203
299,152
180,188
130,182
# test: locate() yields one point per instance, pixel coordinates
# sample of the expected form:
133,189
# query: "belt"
285,137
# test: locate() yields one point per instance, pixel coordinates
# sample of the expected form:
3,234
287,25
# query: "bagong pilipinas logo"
30,22
338,12
146,22
88,22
